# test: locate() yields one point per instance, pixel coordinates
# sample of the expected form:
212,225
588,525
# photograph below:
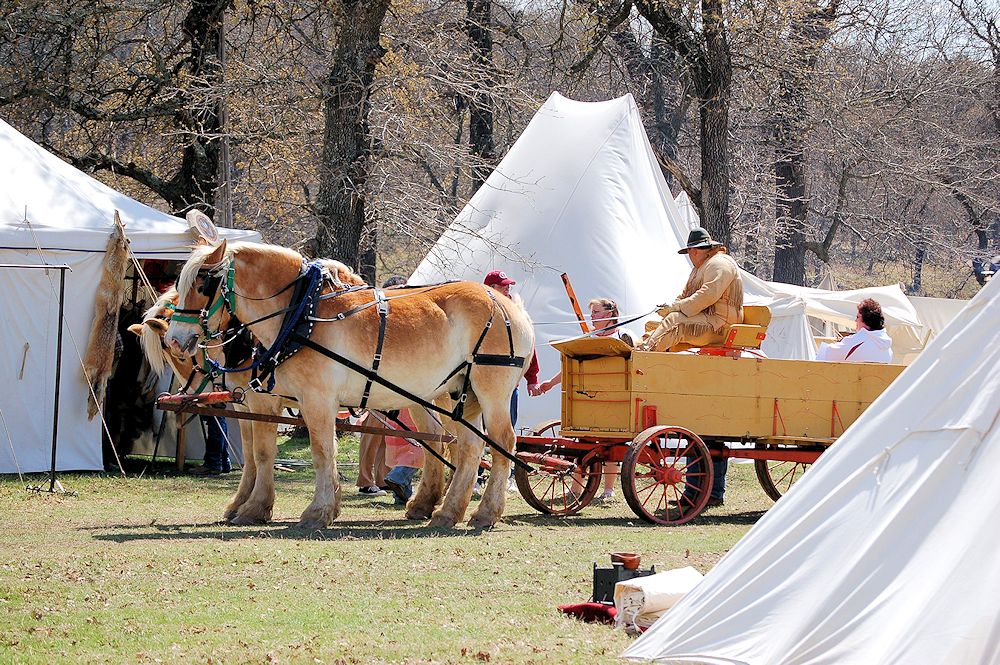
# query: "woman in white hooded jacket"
870,344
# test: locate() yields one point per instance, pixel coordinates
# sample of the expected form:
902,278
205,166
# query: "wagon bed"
666,416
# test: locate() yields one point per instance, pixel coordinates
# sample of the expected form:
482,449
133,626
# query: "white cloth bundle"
640,601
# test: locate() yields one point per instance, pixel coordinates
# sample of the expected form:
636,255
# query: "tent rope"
10,442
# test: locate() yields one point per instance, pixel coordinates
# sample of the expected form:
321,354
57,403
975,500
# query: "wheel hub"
668,475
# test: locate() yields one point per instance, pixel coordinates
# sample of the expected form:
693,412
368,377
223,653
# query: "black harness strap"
382,306
363,371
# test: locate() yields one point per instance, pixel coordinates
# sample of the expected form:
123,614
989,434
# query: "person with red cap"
499,281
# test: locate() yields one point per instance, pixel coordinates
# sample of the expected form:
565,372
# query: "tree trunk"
714,87
715,167
918,264
346,142
808,34
478,25
790,210
195,184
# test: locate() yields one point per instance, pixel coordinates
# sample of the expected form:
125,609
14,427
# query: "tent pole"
54,485
55,399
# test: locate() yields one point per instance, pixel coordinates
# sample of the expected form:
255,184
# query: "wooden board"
713,396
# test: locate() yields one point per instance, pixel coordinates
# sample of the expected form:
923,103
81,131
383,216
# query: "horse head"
202,292
152,331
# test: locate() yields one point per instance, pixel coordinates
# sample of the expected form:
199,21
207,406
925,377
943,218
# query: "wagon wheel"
776,476
667,475
553,487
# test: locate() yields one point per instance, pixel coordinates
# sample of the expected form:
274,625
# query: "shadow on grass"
394,527
590,520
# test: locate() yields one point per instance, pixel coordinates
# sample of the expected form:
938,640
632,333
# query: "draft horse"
459,345
254,499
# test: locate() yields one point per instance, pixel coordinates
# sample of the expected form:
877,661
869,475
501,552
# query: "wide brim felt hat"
699,238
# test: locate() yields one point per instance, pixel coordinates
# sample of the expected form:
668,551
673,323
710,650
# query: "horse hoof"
312,525
478,522
442,521
415,514
245,520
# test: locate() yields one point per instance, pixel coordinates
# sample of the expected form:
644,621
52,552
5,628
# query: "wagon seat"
738,336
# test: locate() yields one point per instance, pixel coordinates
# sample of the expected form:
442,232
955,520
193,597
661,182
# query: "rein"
296,330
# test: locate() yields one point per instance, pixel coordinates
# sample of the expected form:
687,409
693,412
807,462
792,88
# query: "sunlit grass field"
139,570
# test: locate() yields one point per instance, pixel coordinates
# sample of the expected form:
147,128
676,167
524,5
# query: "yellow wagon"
665,416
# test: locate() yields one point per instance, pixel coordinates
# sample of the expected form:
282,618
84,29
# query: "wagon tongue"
218,397
549,463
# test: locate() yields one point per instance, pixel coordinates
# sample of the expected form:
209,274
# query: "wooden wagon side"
665,415
609,388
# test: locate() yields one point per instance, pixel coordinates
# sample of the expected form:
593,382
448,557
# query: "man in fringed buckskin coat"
712,299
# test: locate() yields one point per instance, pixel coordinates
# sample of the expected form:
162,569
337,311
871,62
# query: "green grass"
139,570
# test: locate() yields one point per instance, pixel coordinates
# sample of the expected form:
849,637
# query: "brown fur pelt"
99,361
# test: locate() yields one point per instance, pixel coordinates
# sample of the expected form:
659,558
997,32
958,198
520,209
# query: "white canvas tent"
579,192
886,552
790,334
51,213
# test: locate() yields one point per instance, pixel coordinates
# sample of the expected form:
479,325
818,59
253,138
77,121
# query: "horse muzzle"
181,345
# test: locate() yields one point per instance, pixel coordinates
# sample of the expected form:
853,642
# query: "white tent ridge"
886,551
51,213
579,192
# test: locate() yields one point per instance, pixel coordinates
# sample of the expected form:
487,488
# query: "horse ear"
136,329
216,256
159,325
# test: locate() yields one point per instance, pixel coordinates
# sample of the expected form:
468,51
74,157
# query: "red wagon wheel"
667,475
777,476
561,482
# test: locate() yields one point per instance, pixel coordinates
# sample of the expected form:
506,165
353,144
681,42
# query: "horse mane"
189,273
342,275
150,338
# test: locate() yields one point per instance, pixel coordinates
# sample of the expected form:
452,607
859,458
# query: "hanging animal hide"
99,361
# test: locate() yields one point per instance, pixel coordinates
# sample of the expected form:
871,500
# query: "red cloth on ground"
591,612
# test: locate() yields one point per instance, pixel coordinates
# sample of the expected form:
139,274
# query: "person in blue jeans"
216,451
405,458
720,465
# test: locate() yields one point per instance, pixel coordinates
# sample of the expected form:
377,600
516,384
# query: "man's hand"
665,309
534,389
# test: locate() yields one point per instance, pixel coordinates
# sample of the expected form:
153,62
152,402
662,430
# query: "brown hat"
699,239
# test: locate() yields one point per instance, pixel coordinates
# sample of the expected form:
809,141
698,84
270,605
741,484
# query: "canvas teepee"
886,552
579,192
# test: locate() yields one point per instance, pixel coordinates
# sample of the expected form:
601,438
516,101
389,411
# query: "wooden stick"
576,305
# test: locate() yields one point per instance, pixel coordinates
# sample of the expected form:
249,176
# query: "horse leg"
249,475
431,487
320,414
466,453
498,427
258,506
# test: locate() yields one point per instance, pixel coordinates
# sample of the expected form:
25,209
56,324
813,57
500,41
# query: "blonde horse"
457,341
253,502
254,499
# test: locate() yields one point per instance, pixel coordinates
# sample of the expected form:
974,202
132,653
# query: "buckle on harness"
255,385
